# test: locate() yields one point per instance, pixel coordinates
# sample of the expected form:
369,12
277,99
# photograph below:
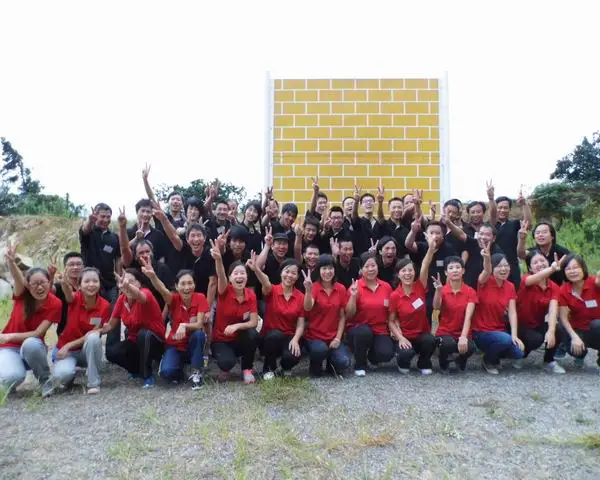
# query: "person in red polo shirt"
22,339
537,308
284,318
188,312
579,309
234,333
367,317
324,302
139,311
456,302
408,314
497,300
79,343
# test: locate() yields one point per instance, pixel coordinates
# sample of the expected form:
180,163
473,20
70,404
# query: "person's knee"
92,341
63,371
318,349
405,353
170,372
226,362
32,346
249,335
198,337
12,377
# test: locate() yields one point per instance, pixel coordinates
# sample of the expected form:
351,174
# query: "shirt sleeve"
118,310
252,301
472,297
393,302
203,306
55,313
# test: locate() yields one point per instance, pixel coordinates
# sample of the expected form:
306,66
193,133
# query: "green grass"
590,441
291,392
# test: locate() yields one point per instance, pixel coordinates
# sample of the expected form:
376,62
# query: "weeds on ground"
4,392
289,392
590,441
581,420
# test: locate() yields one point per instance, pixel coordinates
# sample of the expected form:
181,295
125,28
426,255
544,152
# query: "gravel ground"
525,424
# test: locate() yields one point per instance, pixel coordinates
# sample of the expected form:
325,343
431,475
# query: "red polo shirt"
493,305
533,302
372,307
81,320
452,311
136,316
181,314
282,314
324,318
410,310
582,309
231,311
50,310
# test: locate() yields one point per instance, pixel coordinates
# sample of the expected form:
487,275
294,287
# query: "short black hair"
136,243
347,198
435,223
289,262
453,259
473,204
322,195
550,227
497,258
336,208
172,194
221,202
504,199
195,202
579,259
366,256
136,274
396,199
103,206
196,227
310,220
71,255
365,195
144,202
384,240
234,265
453,203
257,206
312,245
183,273
529,257
291,208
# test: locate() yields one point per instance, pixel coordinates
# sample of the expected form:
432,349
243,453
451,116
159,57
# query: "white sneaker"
93,391
269,376
359,373
518,364
426,371
554,367
404,371
491,369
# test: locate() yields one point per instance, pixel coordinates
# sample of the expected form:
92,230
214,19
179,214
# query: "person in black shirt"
544,235
143,228
452,209
195,254
289,213
73,263
353,223
318,204
310,259
307,234
394,227
273,255
252,213
100,249
507,235
347,266
387,257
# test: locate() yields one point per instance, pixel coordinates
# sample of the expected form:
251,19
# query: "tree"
582,165
198,189
15,172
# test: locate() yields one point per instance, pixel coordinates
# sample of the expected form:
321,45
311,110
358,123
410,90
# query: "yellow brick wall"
355,131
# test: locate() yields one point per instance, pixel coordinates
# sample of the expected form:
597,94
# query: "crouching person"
139,311
79,343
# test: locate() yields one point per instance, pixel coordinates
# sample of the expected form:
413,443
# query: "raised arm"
169,229
147,187
222,282
437,297
157,283
424,273
131,290
415,228
261,260
67,288
527,215
455,230
356,202
11,261
487,265
417,199
514,325
380,200
315,195
522,240
90,222
309,300
492,207
124,245
298,243
351,305
260,275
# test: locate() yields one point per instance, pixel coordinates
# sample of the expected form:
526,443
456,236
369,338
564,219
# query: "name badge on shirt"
108,249
418,303
95,321
386,303
246,316
591,303
439,263
476,236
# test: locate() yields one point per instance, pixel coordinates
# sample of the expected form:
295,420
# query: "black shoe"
462,362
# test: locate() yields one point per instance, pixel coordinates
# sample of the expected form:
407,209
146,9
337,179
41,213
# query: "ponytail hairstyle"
28,300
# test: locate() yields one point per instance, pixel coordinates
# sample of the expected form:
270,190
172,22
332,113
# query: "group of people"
200,279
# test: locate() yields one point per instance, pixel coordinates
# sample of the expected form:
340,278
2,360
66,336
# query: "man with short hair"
347,266
73,264
143,209
289,213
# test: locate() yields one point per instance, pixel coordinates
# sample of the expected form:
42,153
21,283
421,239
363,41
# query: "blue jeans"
496,345
171,365
15,361
318,351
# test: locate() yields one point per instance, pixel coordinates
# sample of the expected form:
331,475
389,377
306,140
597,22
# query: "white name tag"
476,236
417,303
95,321
439,263
591,303
386,303
108,249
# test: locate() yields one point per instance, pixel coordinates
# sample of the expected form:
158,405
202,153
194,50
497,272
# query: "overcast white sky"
92,91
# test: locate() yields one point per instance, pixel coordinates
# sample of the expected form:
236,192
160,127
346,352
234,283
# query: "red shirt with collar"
81,319
453,309
282,314
324,318
137,315
50,310
182,314
493,305
231,311
371,307
582,309
533,302
410,310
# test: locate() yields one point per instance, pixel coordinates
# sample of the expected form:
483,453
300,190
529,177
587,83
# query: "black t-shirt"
202,266
556,277
277,227
507,237
255,238
272,269
437,263
100,249
388,273
360,238
156,237
398,233
171,254
344,233
346,275
163,272
474,265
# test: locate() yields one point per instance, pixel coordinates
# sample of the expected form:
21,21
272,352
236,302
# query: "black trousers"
423,345
227,353
276,344
137,357
449,346
591,339
533,338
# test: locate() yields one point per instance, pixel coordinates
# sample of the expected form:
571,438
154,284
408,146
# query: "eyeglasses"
41,283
